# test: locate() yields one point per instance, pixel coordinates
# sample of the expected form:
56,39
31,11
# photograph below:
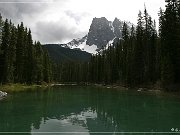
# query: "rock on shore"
2,95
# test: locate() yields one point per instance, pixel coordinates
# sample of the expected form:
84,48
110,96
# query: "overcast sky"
59,21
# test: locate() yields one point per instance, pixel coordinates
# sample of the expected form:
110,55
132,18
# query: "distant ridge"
61,54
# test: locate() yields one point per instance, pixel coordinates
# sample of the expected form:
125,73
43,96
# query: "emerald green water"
88,110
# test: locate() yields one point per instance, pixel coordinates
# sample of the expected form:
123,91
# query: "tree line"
144,56
21,59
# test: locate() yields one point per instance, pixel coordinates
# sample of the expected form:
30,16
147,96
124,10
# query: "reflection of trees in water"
24,110
116,111
126,111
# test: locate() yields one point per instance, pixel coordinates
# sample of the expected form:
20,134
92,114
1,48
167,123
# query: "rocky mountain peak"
100,32
118,26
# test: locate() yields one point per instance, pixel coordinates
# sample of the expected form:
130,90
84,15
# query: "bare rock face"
76,42
100,32
118,27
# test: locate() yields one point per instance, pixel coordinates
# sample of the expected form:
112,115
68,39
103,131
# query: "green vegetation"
143,57
21,60
21,87
60,54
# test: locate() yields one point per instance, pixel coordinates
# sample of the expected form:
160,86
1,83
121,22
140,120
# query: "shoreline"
145,87
141,89
17,87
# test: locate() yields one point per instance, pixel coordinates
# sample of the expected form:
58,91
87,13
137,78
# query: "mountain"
63,54
101,33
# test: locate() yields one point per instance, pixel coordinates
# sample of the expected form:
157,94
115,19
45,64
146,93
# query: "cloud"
77,16
17,11
57,32
57,21
49,20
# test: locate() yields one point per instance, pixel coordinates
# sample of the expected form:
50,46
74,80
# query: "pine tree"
125,37
1,29
12,53
167,72
5,48
130,56
159,45
20,60
146,45
170,43
119,59
1,51
138,75
25,55
20,54
38,69
47,67
177,57
152,54
30,58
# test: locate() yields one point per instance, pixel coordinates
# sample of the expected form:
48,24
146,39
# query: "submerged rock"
142,89
3,94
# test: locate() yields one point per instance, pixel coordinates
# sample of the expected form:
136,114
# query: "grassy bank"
20,87
24,87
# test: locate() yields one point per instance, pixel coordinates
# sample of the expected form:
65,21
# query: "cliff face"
118,26
100,32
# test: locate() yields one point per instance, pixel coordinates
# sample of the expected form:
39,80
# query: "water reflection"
72,123
87,109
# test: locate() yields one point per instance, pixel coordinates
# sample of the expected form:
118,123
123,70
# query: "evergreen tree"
47,67
125,37
167,72
25,55
152,54
38,63
1,28
138,75
159,44
146,45
12,53
170,43
20,54
130,56
1,51
119,59
30,58
5,55
20,60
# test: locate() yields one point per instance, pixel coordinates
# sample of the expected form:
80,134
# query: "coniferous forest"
21,59
145,56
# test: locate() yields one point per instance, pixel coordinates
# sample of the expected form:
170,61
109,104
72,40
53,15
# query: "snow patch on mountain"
81,45
110,43
111,26
84,47
91,49
101,35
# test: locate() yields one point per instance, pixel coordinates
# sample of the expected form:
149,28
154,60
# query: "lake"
88,110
